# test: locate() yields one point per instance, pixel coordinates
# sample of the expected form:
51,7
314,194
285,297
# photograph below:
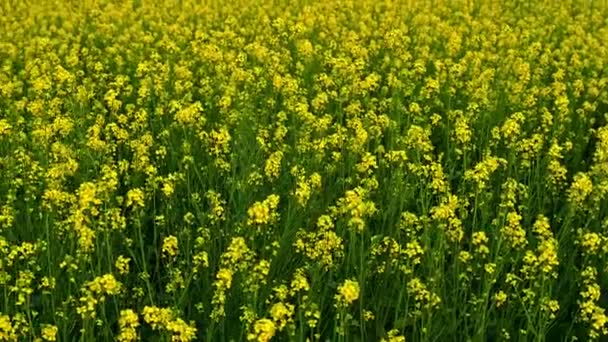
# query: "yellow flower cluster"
355,206
590,312
262,213
263,330
128,322
303,170
348,292
164,318
323,246
95,292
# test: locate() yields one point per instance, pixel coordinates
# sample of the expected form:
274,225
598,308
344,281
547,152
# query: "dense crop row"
179,170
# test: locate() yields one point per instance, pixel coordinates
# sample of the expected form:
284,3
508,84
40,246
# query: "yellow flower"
190,114
49,332
181,331
513,232
281,314
580,188
393,336
168,188
591,243
224,277
302,192
263,330
480,240
135,198
105,284
315,180
261,213
122,264
5,127
7,331
299,282
95,292
500,297
273,165
157,317
367,164
423,296
170,246
128,323
348,292
551,306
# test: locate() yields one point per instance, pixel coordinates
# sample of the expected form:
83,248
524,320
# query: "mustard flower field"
304,170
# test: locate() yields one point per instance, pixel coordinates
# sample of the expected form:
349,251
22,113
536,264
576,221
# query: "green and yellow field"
337,170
